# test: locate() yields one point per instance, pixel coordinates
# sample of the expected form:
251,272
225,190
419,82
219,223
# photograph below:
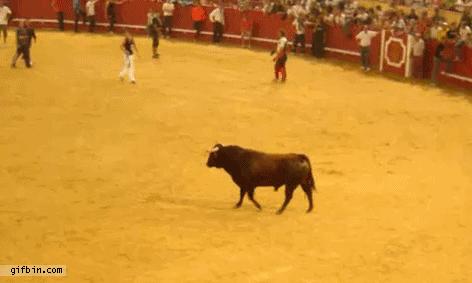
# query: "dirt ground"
109,178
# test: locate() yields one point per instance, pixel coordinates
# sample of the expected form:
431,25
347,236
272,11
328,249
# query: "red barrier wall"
265,28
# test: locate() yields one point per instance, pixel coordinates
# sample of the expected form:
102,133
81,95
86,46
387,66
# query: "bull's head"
214,158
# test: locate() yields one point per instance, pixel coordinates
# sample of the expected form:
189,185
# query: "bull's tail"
310,180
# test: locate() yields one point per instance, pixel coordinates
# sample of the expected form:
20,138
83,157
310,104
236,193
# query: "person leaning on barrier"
437,60
217,17
464,32
246,30
78,12
90,8
58,7
365,39
168,11
319,38
198,17
110,13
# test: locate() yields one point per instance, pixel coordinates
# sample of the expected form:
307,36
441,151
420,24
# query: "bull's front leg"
242,193
250,192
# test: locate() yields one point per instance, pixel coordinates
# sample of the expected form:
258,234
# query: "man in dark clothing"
110,7
153,29
58,7
22,45
438,58
319,39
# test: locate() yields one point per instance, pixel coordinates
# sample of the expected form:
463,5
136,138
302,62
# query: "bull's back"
276,169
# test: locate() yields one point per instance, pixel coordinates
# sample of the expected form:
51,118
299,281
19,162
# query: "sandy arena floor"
110,179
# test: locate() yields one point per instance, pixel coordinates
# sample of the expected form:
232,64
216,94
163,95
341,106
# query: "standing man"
280,57
417,54
217,17
110,12
90,8
198,17
246,31
153,25
78,13
31,35
128,47
5,14
319,39
299,40
437,59
22,49
58,7
168,11
365,39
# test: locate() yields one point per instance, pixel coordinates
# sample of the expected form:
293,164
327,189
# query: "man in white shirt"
365,39
5,14
90,12
299,25
280,57
168,11
217,17
417,53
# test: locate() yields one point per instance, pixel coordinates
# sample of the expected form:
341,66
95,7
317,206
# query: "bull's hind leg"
250,193
307,188
288,196
242,193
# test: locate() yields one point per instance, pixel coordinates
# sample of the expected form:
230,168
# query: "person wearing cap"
417,54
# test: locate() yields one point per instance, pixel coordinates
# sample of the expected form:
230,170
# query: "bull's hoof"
309,210
279,212
236,206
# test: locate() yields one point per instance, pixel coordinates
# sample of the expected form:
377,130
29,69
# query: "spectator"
110,13
58,7
246,31
464,33
299,40
412,15
5,14
349,10
78,12
437,18
168,10
437,59
319,39
217,17
90,11
417,54
198,17
365,39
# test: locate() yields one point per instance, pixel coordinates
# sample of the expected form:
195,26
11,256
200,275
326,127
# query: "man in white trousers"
129,48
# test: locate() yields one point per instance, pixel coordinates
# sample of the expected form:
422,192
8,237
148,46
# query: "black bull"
250,169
